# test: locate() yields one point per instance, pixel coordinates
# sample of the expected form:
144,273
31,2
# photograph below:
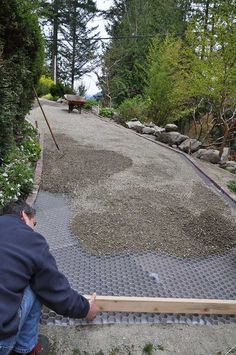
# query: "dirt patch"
77,165
146,220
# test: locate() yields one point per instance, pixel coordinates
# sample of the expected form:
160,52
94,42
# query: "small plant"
148,348
160,347
59,90
231,186
100,352
106,112
44,85
76,351
137,107
90,103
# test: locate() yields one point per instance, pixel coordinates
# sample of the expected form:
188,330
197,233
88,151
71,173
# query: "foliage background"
21,60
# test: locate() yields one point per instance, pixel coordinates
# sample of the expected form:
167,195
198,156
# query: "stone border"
193,162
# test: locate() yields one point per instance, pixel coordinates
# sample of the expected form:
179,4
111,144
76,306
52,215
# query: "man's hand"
93,308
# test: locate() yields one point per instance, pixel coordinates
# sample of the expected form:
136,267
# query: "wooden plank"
164,305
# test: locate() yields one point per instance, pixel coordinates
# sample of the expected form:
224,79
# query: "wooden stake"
53,137
164,305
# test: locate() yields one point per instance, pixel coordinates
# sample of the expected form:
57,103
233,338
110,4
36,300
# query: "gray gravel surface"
131,194
131,339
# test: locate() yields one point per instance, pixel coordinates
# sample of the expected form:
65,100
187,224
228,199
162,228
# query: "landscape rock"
61,100
95,109
148,130
135,125
225,154
190,145
210,155
170,127
159,129
115,116
134,119
150,124
229,165
231,169
171,138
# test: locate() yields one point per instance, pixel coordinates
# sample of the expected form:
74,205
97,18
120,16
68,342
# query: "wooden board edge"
164,305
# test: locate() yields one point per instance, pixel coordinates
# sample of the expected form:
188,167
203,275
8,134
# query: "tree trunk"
206,18
226,134
55,39
73,25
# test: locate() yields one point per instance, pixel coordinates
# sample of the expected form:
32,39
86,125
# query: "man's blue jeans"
27,335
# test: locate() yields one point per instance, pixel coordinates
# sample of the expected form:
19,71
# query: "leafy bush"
165,83
44,85
21,60
59,90
30,145
105,112
17,167
137,107
16,176
90,103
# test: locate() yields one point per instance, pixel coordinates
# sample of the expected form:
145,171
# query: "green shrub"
59,90
44,85
90,103
105,112
17,167
16,176
148,348
21,60
137,107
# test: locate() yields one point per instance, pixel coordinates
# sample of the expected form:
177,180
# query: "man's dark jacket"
25,260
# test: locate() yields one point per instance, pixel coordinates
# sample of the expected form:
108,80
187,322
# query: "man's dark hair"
17,207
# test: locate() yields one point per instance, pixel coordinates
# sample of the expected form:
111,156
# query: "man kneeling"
29,277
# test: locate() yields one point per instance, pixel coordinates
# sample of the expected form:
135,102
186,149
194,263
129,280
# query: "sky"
89,80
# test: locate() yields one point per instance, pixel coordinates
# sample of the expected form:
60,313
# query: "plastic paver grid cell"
150,274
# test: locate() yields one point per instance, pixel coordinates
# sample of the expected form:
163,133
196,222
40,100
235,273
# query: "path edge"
189,159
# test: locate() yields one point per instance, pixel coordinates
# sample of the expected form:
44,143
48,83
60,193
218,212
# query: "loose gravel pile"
77,165
112,219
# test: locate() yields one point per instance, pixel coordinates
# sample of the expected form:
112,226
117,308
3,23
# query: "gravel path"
129,193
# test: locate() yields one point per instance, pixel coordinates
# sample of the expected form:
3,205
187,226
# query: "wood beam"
164,305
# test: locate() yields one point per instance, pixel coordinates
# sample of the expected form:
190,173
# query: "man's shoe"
41,348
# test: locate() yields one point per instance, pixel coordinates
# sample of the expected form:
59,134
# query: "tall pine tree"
132,28
69,36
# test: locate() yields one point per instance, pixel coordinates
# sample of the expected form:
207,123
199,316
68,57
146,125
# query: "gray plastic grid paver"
151,274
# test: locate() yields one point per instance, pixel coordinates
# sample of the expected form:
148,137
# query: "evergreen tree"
69,38
77,49
133,26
